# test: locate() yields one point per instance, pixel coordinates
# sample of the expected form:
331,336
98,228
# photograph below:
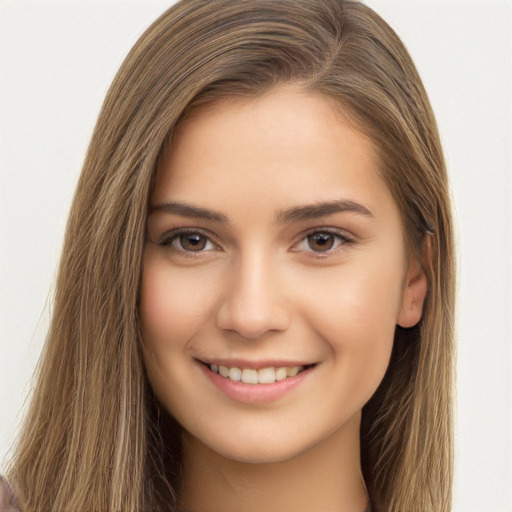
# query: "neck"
325,477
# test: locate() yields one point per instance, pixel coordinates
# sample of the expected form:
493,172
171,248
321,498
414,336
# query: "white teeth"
251,376
292,371
235,373
281,374
266,376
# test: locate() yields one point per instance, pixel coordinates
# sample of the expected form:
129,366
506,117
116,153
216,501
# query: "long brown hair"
95,438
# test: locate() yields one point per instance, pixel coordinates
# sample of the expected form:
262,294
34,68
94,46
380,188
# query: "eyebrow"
296,214
188,210
317,210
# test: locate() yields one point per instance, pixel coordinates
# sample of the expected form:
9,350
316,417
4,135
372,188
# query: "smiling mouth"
267,375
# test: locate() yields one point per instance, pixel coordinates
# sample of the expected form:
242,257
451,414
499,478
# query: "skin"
259,285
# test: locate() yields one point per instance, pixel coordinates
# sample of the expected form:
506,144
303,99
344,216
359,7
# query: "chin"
260,447
260,455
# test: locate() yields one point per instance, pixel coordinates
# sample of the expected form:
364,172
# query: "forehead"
283,147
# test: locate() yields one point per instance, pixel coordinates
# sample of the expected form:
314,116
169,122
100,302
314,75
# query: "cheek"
359,303
167,310
171,304
355,313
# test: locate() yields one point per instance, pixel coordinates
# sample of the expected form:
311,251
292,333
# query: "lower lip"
255,393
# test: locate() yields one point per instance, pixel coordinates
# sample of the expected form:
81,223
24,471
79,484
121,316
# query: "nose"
254,302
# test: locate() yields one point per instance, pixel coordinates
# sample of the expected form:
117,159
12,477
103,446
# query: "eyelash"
341,239
169,238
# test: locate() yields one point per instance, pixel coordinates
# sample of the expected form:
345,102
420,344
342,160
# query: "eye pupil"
321,241
193,242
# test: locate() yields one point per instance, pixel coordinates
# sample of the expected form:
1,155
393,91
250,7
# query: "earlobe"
414,292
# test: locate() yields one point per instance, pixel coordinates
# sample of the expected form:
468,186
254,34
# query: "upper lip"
266,363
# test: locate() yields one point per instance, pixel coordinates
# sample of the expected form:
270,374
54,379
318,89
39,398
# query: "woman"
254,307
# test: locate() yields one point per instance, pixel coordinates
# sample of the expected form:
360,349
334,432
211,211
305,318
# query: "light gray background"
56,62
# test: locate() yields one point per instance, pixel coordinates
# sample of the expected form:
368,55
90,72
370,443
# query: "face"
274,276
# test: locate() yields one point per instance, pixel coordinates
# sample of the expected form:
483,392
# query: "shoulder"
7,500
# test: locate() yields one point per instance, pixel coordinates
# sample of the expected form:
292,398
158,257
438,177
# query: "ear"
414,291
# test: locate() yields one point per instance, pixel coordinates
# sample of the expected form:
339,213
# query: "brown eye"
193,242
321,242
185,241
